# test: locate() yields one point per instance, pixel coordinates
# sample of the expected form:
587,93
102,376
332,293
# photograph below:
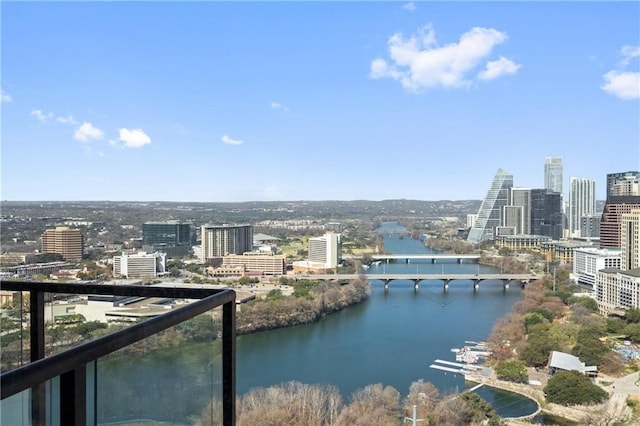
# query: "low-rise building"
139,265
264,263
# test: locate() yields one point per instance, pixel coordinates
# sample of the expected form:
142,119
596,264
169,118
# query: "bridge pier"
416,286
505,284
459,260
386,284
446,284
476,285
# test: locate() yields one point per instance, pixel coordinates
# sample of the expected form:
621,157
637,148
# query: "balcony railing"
66,388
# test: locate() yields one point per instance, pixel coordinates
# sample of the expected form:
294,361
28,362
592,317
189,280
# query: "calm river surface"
391,339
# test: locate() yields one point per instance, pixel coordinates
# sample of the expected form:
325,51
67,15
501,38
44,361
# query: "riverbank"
307,303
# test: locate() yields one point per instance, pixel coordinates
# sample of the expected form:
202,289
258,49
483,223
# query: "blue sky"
209,101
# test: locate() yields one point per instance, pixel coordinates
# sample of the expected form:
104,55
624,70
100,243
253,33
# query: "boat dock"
457,364
450,370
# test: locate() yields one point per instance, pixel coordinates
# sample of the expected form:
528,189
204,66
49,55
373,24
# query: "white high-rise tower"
553,174
582,202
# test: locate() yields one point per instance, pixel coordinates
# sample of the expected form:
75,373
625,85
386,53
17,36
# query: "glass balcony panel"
16,410
174,376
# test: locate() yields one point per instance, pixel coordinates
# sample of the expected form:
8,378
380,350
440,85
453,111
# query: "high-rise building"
590,226
171,237
65,241
630,240
546,213
582,202
623,196
521,197
619,289
218,241
622,184
489,214
553,174
325,249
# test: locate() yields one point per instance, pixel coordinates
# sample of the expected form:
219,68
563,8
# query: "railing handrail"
29,375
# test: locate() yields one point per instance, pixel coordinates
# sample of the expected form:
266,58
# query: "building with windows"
262,263
521,197
582,202
546,213
139,265
490,212
619,289
65,241
325,250
587,261
553,174
623,196
590,226
171,237
561,251
218,241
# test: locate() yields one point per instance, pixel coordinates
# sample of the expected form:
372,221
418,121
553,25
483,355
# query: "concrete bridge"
523,279
434,258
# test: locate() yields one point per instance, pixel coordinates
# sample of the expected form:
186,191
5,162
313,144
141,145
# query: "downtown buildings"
218,241
623,195
64,241
582,203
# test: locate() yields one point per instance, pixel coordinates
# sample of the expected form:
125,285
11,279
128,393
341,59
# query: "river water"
392,338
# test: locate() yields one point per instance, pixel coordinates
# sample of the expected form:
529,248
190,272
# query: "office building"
623,196
261,263
546,213
325,250
490,212
139,265
553,174
618,289
587,261
590,226
65,241
582,202
471,220
171,237
218,241
521,197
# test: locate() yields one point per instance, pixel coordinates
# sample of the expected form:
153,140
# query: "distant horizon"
269,101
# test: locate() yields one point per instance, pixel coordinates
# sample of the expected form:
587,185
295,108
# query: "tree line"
297,404
310,301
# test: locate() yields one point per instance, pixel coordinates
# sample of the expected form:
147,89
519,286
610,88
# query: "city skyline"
228,102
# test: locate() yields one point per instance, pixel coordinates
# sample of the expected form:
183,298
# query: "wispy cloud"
43,117
228,141
628,53
67,120
5,98
134,138
499,68
279,106
620,83
419,63
411,6
87,132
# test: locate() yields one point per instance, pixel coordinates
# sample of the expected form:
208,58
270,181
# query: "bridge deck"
419,277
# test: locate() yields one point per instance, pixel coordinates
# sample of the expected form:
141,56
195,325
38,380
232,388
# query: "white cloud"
496,69
228,141
411,6
41,115
134,138
628,53
624,85
87,132
5,98
277,105
67,120
419,63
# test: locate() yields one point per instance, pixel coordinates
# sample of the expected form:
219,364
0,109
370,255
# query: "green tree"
539,346
632,331
275,294
632,315
587,302
533,318
615,325
513,371
573,388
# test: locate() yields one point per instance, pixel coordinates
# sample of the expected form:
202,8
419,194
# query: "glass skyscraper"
489,214
553,174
